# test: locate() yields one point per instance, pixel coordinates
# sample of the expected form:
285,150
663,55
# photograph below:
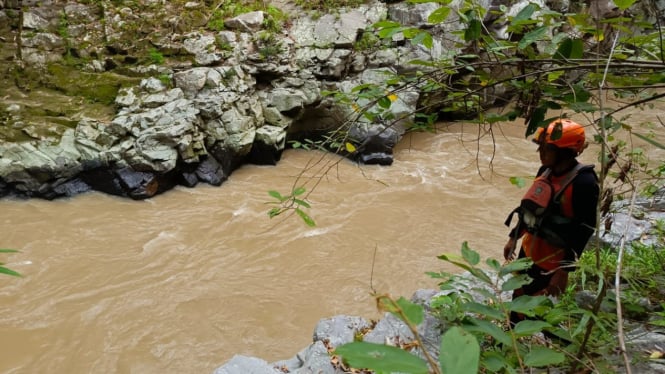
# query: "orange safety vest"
544,254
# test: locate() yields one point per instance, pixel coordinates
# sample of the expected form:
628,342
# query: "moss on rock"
94,87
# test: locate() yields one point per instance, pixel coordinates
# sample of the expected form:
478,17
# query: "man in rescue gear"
557,238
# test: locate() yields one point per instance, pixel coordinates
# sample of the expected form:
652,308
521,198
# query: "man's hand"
509,249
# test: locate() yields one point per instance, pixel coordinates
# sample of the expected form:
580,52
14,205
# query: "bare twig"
371,274
617,277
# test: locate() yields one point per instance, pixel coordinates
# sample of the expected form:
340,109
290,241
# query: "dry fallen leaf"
655,355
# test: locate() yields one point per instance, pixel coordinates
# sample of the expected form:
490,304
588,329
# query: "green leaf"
532,37
486,327
423,63
410,32
553,76
579,94
493,263
481,275
362,87
451,259
473,31
482,309
624,4
299,191
494,361
516,266
274,212
540,356
403,308
485,293
470,256
276,195
439,275
385,24
524,14
302,203
529,327
413,312
517,181
658,322
536,120
570,49
384,102
381,358
582,107
308,220
388,32
5,250
370,116
460,352
4,270
494,117
424,38
439,15
583,322
650,141
525,304
515,282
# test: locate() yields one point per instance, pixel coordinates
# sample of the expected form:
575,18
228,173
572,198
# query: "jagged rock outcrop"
641,225
239,101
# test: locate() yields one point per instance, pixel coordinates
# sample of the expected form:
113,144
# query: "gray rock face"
640,227
339,330
336,31
233,96
248,22
209,119
315,358
246,365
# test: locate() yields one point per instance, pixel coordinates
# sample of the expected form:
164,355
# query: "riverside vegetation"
548,64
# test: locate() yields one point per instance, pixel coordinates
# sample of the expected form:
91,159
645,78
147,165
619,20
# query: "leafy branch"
292,202
5,270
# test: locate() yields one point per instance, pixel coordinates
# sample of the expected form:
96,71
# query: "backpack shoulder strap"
570,177
544,174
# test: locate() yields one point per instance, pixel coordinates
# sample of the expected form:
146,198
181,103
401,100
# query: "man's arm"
585,200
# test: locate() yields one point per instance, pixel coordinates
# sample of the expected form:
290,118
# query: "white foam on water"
162,240
316,232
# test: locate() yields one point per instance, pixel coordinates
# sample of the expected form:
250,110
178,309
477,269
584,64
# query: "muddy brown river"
182,282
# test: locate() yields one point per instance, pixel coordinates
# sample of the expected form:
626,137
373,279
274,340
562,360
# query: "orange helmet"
562,133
